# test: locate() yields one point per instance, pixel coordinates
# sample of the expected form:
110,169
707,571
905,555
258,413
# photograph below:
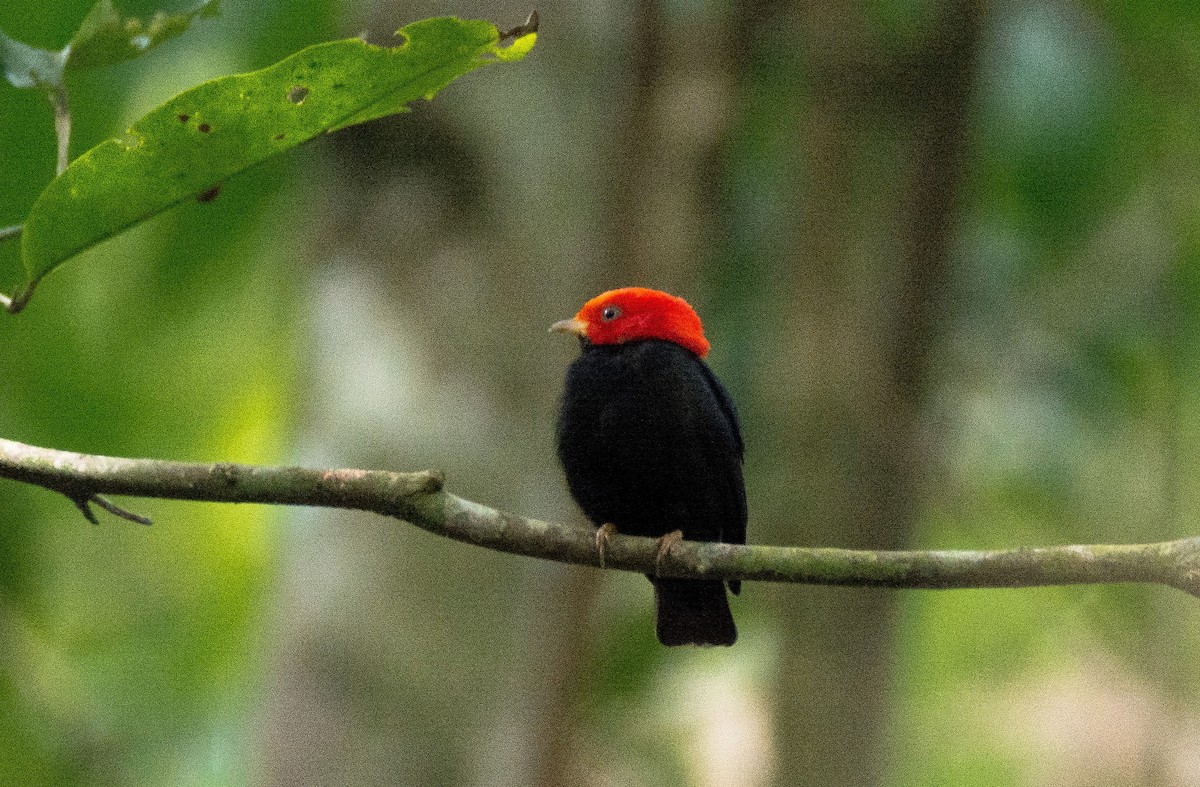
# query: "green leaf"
105,37
26,66
186,148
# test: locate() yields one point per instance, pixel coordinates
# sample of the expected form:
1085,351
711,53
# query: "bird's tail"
693,612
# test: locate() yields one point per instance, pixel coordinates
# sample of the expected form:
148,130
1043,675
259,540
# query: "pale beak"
573,325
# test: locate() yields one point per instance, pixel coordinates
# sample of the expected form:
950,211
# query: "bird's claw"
603,533
664,548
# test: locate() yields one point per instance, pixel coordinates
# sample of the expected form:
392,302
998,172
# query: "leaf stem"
62,126
18,300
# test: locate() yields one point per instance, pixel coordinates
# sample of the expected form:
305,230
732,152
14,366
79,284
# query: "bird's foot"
603,533
664,548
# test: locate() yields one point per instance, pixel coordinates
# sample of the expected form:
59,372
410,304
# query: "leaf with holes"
186,148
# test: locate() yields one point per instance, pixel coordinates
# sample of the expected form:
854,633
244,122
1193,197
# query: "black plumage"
650,443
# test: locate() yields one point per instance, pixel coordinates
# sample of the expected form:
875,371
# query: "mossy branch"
418,498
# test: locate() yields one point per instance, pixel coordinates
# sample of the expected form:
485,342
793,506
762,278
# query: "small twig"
82,501
116,510
11,233
82,504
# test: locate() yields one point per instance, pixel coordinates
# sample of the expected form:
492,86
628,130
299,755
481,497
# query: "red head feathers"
634,313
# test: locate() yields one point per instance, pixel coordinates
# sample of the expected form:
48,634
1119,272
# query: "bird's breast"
635,436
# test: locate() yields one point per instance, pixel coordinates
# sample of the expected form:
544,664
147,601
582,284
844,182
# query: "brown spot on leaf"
297,94
205,128
209,194
184,118
279,137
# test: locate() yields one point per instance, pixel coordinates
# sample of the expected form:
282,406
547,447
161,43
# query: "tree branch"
419,499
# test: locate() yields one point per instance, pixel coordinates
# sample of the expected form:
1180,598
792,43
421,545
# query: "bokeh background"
946,252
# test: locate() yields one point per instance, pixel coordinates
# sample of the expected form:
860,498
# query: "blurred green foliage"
128,652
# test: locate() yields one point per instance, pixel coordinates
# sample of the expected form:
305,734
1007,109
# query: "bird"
650,444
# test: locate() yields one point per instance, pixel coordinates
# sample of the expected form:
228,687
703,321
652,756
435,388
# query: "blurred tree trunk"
883,135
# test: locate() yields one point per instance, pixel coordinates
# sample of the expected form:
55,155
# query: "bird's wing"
727,407
734,531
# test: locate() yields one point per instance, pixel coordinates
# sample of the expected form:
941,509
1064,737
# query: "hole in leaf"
297,94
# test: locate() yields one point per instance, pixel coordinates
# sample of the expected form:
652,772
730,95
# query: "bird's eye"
610,313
